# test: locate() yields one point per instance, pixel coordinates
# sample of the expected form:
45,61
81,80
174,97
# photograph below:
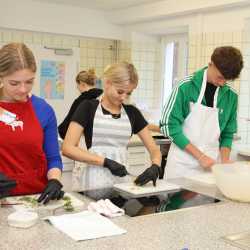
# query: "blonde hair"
119,73
88,77
14,57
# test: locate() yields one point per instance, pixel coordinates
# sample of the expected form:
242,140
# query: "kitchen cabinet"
68,165
138,156
138,159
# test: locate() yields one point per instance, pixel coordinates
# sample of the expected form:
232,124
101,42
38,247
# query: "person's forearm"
225,154
81,155
194,151
156,156
154,128
54,173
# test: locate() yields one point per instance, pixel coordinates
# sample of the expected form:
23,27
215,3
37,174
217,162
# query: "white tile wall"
244,98
94,53
146,58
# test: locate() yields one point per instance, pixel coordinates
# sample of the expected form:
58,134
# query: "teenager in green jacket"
200,116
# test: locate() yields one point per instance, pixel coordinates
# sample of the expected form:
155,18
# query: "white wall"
58,19
170,10
224,20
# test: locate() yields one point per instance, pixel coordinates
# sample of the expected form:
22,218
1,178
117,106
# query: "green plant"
32,201
68,204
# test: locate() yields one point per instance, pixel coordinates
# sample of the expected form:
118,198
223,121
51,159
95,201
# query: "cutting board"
134,191
203,178
53,204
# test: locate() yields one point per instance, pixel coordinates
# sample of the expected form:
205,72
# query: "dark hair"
88,77
228,60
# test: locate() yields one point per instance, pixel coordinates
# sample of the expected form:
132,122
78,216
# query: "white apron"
110,139
201,127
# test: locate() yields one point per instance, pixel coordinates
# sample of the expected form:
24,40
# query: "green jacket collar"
197,80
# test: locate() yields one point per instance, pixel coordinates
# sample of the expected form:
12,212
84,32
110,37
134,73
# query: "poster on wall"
52,79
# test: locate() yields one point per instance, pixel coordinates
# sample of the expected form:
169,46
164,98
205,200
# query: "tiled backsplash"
98,53
94,53
146,58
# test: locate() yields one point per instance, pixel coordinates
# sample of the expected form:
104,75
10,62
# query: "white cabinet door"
138,159
68,164
67,181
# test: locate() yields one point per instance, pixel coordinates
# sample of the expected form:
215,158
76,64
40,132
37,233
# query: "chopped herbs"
34,203
68,204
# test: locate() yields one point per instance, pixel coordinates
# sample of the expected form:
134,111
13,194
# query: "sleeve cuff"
181,141
226,142
55,164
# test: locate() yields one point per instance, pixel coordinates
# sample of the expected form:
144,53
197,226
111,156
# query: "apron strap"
216,97
203,87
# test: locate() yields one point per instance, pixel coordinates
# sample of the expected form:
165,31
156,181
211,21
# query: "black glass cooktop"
144,205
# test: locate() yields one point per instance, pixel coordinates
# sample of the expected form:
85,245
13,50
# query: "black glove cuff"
106,162
57,182
157,168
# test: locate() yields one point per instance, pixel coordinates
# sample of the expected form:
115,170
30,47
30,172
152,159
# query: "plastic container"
233,180
22,219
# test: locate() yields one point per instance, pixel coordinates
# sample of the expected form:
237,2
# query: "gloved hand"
150,174
5,185
115,167
52,191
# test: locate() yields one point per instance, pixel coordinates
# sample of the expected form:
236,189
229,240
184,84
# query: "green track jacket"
177,109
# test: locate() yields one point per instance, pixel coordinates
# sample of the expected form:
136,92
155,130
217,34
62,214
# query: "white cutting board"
162,186
53,204
203,178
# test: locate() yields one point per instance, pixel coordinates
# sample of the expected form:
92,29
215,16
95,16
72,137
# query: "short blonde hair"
14,57
119,73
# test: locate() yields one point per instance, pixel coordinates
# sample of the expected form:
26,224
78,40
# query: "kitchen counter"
194,228
159,140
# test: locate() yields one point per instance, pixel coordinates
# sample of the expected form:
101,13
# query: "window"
175,55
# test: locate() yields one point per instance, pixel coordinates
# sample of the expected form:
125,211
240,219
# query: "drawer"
138,149
136,156
137,169
67,181
68,166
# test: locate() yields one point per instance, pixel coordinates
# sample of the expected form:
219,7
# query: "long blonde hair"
14,57
120,73
88,77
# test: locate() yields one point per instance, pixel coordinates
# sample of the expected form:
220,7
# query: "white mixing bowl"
233,180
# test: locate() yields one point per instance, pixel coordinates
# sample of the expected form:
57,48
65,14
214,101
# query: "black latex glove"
52,191
150,174
6,184
115,167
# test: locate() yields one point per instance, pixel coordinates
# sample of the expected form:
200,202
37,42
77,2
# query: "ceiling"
105,5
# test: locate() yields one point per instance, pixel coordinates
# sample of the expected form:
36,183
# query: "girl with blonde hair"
29,153
107,125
